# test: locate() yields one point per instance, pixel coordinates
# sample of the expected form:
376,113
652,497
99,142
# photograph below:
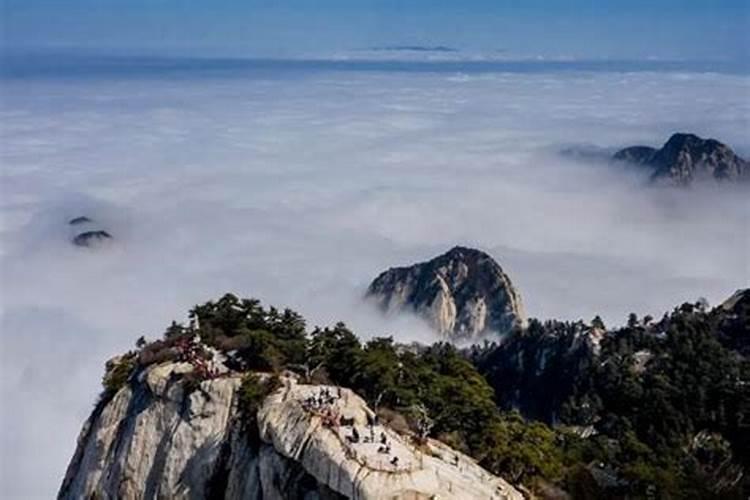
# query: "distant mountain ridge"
416,48
685,158
464,294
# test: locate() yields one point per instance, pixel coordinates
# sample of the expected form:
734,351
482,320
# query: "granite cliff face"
156,439
464,294
686,158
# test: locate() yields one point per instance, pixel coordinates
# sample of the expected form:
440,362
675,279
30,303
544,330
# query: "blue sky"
687,29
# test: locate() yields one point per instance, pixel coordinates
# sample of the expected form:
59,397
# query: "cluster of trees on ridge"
655,410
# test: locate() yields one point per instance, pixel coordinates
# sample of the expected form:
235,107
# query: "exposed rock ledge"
154,440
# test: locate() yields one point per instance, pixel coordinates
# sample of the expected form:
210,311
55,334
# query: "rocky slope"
155,439
685,158
464,294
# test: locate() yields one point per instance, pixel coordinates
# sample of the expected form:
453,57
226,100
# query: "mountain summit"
464,294
245,404
687,157
154,439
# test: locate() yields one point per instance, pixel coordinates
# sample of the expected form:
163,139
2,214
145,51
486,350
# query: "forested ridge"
655,409
664,405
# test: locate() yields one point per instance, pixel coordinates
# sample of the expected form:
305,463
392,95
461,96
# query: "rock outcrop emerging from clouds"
686,158
87,233
156,439
464,294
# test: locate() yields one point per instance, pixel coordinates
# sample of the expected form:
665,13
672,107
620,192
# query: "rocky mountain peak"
685,158
463,254
154,438
464,294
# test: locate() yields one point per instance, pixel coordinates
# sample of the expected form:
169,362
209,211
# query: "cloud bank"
300,187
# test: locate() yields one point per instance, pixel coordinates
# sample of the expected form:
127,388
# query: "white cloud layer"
299,189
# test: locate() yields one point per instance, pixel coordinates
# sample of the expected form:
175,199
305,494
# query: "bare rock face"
739,299
464,294
360,469
154,439
686,158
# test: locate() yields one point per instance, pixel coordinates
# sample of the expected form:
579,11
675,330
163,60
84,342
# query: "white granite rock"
463,294
154,440
358,470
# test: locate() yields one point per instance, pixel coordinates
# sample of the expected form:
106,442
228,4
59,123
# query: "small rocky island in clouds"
683,160
686,158
463,294
88,233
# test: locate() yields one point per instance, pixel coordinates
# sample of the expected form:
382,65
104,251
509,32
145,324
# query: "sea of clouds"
299,187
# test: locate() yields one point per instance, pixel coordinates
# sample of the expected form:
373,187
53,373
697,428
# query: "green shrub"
520,451
117,373
254,389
